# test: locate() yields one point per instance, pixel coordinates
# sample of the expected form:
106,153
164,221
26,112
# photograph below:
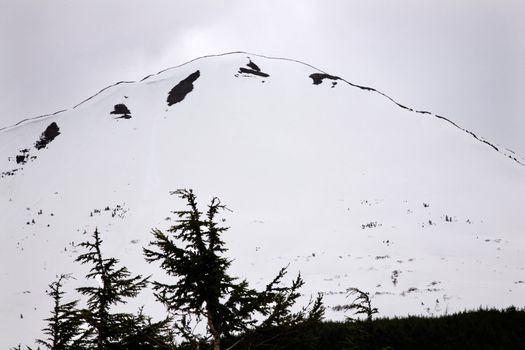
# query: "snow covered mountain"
337,180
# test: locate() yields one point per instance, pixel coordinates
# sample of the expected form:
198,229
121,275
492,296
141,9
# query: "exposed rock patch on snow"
319,77
253,69
48,135
184,87
24,155
122,110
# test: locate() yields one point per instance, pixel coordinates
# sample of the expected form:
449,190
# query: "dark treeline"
207,308
481,329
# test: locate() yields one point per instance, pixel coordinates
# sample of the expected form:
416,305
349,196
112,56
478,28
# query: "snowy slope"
337,180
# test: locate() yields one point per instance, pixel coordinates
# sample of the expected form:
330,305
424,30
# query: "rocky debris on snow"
371,224
118,211
394,277
381,257
23,156
9,173
49,134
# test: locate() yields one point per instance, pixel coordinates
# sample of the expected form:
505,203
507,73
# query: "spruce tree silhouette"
202,291
63,328
106,329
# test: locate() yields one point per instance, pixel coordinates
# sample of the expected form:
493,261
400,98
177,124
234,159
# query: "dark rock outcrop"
253,69
48,135
243,70
318,77
179,92
122,110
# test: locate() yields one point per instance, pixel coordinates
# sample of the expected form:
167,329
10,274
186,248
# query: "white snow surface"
339,183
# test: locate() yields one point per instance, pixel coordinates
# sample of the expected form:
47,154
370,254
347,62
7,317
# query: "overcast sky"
461,59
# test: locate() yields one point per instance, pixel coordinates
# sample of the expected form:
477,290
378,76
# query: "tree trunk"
213,330
216,336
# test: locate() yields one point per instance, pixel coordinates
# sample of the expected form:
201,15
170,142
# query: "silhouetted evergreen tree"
64,327
361,331
107,330
361,304
203,291
144,334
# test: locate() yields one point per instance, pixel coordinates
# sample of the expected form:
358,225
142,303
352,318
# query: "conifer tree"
64,327
144,334
192,253
362,304
361,331
107,330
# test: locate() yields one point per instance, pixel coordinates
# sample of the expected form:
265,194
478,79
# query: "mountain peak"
338,180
